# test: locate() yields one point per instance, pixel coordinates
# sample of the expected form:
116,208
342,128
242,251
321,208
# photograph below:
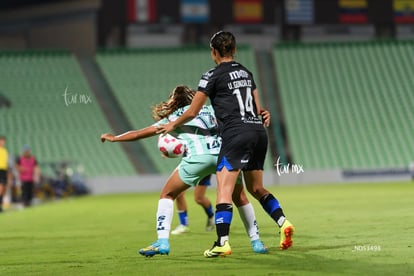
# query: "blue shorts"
206,181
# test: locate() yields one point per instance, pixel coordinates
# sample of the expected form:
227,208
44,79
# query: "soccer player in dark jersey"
234,97
200,160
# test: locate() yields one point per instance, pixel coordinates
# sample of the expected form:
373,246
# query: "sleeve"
206,83
253,82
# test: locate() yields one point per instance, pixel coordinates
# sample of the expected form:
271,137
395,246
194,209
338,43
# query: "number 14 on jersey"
247,104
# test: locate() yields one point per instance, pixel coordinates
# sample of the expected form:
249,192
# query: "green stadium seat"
35,83
348,105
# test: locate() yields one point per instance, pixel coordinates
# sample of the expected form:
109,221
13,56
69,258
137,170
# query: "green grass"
365,229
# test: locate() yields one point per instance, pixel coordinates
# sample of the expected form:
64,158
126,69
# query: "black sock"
272,207
224,214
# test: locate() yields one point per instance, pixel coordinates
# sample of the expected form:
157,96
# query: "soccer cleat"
259,247
218,250
286,235
210,224
161,246
180,229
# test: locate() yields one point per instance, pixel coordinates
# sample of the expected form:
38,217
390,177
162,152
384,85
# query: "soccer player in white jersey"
202,200
203,146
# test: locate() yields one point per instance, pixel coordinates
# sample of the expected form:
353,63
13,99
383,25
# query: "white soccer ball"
170,146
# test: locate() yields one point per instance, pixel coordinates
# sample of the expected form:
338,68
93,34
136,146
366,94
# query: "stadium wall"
154,183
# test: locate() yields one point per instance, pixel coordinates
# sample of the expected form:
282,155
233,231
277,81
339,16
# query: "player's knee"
169,195
257,192
199,199
240,200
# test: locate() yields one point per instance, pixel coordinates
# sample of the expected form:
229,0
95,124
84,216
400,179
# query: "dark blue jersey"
230,88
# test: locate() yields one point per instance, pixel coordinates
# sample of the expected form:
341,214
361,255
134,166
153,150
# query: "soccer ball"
170,146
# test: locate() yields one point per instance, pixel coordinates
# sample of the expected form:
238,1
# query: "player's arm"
263,112
256,100
131,135
198,101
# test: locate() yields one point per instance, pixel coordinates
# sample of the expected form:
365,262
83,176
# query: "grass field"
353,229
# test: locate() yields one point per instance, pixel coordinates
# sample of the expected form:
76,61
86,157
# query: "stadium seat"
348,105
35,82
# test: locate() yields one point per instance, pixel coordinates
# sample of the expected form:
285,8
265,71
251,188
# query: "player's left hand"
266,117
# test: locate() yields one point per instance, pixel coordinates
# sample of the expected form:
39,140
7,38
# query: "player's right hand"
266,117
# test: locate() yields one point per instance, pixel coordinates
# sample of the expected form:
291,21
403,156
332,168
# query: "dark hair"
224,43
181,96
2,137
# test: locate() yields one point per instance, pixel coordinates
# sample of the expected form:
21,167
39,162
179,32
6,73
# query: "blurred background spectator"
29,175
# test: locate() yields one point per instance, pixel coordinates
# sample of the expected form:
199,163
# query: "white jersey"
199,134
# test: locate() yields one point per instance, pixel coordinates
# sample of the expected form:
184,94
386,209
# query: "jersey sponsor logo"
234,75
251,120
203,83
244,161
